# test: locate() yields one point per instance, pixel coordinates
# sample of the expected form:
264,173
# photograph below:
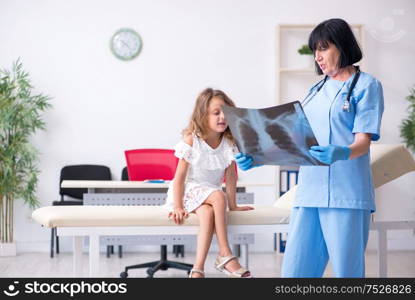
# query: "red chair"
145,164
150,164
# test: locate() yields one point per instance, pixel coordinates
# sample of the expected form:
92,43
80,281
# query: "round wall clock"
126,44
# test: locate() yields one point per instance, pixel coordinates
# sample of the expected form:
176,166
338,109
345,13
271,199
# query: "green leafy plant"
408,125
20,118
305,50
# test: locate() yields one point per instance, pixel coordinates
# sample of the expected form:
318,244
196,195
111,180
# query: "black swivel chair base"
110,250
162,264
178,250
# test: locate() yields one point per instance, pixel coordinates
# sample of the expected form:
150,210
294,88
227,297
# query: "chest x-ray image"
278,135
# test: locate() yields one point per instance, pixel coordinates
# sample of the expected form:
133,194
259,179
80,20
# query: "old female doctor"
331,214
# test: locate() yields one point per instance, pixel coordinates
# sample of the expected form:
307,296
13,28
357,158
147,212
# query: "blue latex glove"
244,161
331,153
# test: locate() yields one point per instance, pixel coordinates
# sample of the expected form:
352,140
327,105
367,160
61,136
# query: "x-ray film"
278,135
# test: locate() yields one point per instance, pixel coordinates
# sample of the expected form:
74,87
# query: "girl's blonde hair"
198,120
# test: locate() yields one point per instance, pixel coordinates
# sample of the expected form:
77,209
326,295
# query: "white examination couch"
387,161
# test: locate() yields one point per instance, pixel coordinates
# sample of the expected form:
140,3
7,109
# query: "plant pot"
307,61
311,61
7,249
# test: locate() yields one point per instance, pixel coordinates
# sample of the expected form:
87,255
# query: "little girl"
206,157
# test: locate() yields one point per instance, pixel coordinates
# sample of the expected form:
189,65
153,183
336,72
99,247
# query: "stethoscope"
320,84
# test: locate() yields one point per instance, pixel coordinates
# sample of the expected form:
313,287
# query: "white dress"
205,173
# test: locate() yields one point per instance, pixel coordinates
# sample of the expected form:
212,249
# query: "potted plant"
305,51
20,118
408,125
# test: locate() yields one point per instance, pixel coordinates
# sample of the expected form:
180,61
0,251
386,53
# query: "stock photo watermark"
71,289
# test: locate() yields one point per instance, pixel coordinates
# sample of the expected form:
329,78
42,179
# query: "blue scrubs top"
345,183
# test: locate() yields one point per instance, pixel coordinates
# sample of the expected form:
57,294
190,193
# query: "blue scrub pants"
317,234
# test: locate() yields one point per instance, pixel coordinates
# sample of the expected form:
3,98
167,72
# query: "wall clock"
126,44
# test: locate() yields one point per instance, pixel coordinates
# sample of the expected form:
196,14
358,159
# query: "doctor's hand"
331,153
244,161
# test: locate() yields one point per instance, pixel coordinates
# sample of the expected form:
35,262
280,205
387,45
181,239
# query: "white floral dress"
205,173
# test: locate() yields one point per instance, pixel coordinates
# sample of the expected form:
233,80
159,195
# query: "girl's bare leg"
204,237
218,201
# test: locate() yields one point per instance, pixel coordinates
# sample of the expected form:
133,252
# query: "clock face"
126,44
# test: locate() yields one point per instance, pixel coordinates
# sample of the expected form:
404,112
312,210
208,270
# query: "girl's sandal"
220,263
196,271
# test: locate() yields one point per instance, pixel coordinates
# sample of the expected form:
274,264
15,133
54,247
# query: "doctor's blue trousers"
318,234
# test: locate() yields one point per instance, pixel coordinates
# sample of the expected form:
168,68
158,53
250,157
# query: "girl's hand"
178,215
241,208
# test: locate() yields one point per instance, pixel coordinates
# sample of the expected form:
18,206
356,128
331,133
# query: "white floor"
400,264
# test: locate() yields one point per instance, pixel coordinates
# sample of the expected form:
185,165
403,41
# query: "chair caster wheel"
150,273
124,275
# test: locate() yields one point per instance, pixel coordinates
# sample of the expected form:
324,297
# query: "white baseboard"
394,244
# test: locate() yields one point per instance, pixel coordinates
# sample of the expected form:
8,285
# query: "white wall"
102,106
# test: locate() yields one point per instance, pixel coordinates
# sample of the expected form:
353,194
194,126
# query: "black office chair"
76,172
124,174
